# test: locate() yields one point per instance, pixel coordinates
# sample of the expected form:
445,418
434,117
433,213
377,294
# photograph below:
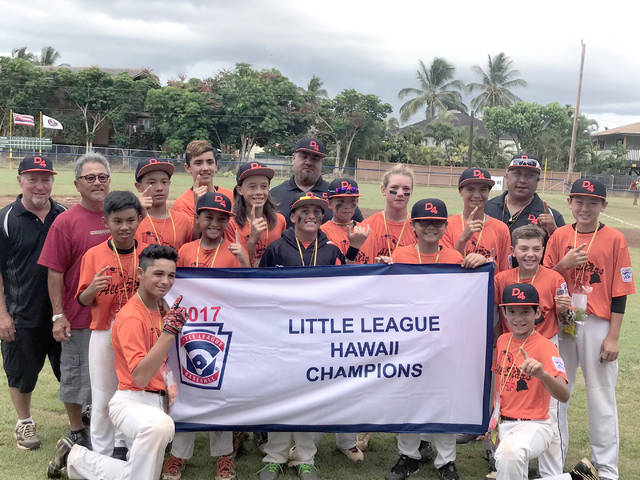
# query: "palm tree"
315,90
49,56
23,54
496,83
438,91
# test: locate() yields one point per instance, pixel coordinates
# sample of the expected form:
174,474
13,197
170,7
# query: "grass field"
49,413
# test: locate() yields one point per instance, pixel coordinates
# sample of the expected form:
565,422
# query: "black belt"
511,419
162,393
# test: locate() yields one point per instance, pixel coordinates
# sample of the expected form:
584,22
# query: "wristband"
352,253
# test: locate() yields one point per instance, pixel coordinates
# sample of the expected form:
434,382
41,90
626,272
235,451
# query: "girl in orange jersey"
256,221
472,231
390,227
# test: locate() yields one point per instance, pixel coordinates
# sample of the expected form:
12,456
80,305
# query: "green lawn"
51,419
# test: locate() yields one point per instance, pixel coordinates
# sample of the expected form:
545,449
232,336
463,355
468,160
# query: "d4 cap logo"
203,355
517,293
587,185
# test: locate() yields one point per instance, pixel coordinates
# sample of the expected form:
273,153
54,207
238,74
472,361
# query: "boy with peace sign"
528,372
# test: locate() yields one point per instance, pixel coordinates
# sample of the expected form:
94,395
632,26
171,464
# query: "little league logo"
203,355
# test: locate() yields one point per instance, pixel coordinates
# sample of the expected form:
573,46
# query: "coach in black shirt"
307,169
25,309
520,204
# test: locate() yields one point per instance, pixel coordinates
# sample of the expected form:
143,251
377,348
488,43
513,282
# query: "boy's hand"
238,251
258,225
546,220
145,199
563,303
198,189
531,366
383,259
358,235
473,225
474,260
175,319
100,281
609,350
574,258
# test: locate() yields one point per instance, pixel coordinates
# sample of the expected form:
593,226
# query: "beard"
306,177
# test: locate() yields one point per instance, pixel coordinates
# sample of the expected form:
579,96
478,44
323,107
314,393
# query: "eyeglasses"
349,189
102,178
395,192
427,222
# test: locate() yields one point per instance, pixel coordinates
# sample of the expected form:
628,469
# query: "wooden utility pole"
470,158
574,133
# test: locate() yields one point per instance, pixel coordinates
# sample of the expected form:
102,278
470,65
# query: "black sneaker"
86,415
58,466
491,460
404,467
448,472
427,454
584,470
81,437
120,453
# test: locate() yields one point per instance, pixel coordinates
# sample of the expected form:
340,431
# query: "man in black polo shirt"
520,204
25,309
307,170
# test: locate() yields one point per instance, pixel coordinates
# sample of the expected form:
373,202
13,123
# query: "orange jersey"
547,282
337,234
192,255
266,239
174,231
122,284
494,236
608,268
409,254
385,236
135,330
524,396
185,203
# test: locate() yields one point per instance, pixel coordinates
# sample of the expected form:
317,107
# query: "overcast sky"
371,46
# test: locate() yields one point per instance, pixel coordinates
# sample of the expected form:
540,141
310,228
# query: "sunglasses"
349,189
102,178
436,223
524,163
395,192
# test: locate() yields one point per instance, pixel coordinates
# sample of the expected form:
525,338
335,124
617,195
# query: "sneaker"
172,468
427,454
448,472
271,471
354,454
86,415
261,439
81,437
226,468
491,475
584,470
120,453
307,472
491,459
462,438
26,436
362,441
404,467
58,466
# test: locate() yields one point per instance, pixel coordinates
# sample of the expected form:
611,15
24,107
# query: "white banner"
403,348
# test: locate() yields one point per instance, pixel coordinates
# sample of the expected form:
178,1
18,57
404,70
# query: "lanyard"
135,267
154,330
504,381
479,236
533,279
173,225
386,231
315,253
420,255
580,270
215,255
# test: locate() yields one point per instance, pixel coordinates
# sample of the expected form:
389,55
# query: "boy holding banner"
429,222
528,372
211,250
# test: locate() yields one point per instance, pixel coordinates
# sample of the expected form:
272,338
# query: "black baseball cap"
475,175
151,165
249,169
343,187
36,164
588,187
311,145
520,294
214,201
524,161
429,209
309,199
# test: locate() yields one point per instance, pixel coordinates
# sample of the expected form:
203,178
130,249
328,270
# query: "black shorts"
24,358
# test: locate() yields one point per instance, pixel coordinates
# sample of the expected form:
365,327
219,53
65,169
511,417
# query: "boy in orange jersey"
342,230
212,250
429,221
390,227
472,231
143,332
202,164
255,219
527,244
594,260
108,279
528,372
153,180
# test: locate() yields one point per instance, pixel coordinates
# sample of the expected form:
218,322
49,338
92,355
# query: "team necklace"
420,255
315,253
215,255
173,225
479,236
135,267
386,231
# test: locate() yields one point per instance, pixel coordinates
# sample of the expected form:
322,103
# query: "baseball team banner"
400,348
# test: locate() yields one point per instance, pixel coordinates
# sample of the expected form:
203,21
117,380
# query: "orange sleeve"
86,273
497,289
230,231
183,255
622,282
552,252
447,239
505,247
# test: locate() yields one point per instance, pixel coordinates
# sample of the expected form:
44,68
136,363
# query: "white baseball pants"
445,444
519,442
277,448
220,444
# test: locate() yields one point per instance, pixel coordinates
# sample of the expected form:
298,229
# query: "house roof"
457,119
631,129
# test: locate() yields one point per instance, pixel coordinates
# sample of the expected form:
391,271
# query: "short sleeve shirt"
385,236
496,208
267,238
338,235
192,255
174,231
186,205
409,254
